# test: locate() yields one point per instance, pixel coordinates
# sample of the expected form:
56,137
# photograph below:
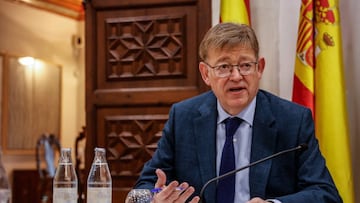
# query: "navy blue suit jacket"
187,151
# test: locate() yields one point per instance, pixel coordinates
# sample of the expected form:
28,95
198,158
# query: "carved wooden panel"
150,48
131,136
141,57
131,141
145,47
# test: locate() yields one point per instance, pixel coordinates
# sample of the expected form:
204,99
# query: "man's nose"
235,73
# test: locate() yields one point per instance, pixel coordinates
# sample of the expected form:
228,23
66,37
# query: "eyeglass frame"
238,67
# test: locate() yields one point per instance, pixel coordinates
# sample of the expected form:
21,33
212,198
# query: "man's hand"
257,200
170,193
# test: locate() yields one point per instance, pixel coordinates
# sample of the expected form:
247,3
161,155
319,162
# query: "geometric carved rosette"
131,141
145,47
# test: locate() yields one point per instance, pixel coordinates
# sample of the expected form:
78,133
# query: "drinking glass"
139,196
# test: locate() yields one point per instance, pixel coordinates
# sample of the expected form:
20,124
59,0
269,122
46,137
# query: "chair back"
47,146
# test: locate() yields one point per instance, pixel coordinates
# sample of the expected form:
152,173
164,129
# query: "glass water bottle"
65,183
99,185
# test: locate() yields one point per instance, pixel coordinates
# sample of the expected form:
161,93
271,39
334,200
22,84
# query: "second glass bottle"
99,185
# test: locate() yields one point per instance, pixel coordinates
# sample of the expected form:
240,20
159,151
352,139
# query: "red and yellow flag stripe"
319,84
303,90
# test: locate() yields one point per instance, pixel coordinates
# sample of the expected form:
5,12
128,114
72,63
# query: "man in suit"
192,148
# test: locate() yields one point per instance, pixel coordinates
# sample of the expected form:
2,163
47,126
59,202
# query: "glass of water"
139,196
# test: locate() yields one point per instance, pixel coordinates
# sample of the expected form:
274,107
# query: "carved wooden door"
141,57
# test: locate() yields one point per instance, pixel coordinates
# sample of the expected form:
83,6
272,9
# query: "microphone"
301,147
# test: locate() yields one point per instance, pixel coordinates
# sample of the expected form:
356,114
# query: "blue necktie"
226,186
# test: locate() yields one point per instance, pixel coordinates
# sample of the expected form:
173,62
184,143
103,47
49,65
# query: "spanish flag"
319,84
236,11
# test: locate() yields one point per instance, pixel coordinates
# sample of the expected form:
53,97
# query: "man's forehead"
224,53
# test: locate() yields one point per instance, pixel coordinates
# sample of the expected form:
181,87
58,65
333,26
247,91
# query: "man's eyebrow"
222,59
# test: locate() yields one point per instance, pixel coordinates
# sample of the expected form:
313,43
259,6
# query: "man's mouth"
236,89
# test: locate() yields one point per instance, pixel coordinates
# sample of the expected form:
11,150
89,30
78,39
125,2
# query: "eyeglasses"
225,70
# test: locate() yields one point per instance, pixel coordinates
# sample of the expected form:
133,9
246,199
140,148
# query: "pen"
158,189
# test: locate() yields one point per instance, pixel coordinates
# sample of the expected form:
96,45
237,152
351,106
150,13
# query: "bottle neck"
100,157
65,156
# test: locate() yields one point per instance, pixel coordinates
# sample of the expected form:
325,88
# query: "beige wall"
40,34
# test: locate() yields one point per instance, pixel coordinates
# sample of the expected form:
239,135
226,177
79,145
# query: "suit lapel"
205,139
263,144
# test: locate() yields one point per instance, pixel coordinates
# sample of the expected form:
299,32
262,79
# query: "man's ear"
261,66
204,71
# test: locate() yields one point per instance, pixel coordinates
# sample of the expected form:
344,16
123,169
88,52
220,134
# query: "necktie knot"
231,125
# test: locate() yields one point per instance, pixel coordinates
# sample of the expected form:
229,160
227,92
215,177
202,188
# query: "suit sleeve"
314,183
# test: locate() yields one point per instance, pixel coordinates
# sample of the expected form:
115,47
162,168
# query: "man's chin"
237,105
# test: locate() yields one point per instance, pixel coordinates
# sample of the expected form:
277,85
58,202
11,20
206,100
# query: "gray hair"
228,35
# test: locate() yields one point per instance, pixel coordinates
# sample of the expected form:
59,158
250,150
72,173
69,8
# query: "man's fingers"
196,199
172,192
169,192
257,200
186,193
161,178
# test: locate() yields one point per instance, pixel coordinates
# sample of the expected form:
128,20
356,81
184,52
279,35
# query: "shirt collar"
247,114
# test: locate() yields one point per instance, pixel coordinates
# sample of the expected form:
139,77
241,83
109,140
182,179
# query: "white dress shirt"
242,148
